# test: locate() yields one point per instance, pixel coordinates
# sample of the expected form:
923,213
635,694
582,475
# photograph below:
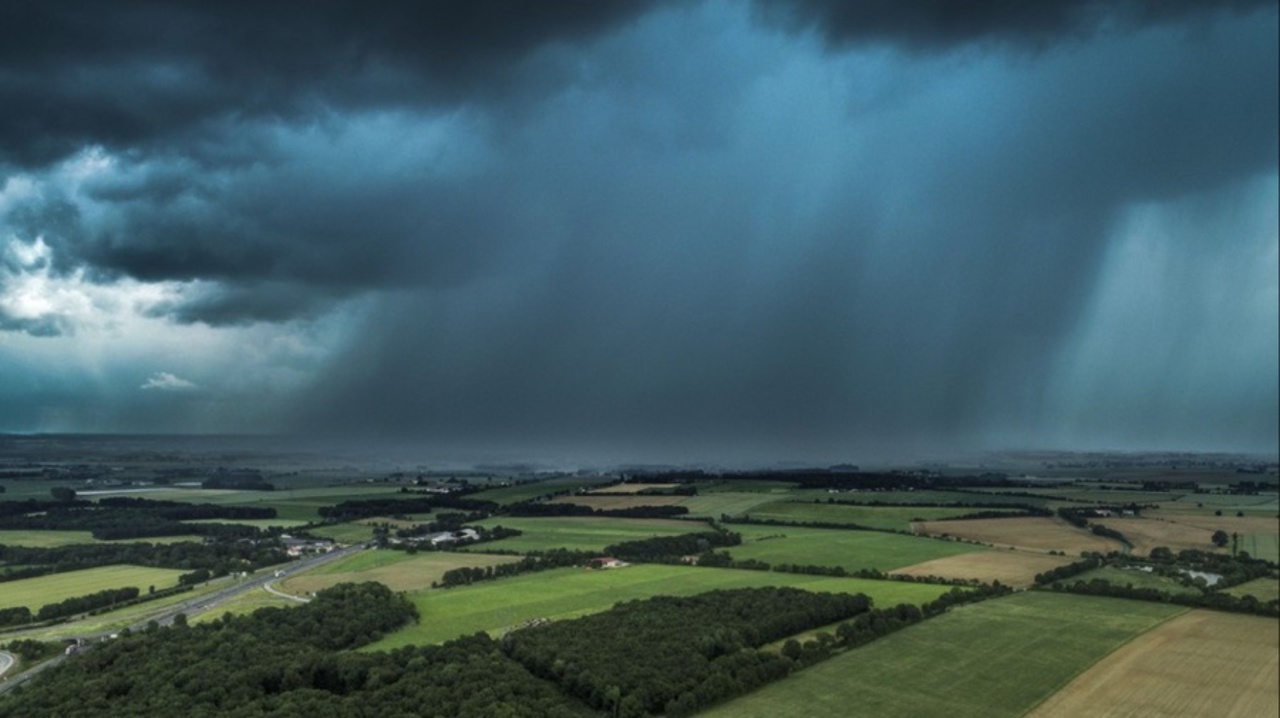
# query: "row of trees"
126,518
537,561
218,558
666,549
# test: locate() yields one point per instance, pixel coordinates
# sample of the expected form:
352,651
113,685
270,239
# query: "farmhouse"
607,562
298,547
445,538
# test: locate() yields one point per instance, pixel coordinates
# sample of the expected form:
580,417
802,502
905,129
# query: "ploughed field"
501,605
1202,663
995,659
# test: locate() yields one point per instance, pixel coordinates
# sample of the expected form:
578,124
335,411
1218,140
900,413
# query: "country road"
6,662
199,604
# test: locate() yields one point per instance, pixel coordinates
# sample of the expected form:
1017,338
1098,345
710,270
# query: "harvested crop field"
1035,533
1148,533
1011,568
1202,663
626,501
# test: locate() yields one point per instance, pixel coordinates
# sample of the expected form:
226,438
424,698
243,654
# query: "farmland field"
395,569
53,539
1263,589
1199,664
633,488
351,532
533,489
36,592
570,592
625,501
852,550
995,659
256,523
583,533
1138,579
1011,568
1252,505
1037,533
880,517
1265,546
1148,533
924,496
734,503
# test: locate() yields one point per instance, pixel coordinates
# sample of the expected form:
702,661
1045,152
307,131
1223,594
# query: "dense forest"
673,654
663,655
286,663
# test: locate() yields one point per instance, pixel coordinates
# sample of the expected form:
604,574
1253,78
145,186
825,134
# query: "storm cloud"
790,228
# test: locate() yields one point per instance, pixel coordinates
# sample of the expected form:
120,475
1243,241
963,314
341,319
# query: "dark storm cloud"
647,227
941,24
780,289
137,73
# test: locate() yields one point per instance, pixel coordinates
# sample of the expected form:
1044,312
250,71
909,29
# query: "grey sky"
645,231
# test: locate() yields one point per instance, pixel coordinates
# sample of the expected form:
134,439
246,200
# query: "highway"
200,604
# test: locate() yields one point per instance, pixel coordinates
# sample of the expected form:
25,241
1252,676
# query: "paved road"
201,604
6,662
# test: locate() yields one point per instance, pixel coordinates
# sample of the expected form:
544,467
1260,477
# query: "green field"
1264,546
1263,589
256,523
36,592
581,533
852,550
879,517
746,486
1251,505
995,659
344,533
53,539
533,489
361,561
1138,579
917,497
733,503
570,592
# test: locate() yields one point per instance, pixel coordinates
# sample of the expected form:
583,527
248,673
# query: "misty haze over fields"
645,230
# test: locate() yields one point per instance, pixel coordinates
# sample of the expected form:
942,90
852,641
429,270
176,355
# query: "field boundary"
1085,669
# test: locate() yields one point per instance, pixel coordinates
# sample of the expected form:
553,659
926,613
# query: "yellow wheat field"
1035,533
1202,663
